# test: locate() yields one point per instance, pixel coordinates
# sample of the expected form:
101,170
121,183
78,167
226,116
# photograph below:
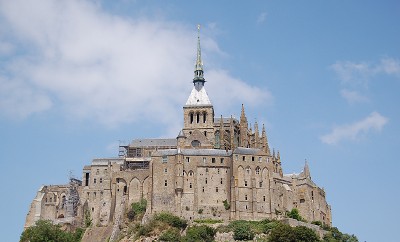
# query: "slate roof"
247,151
194,152
153,142
198,98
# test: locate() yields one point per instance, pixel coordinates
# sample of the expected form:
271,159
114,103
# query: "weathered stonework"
215,168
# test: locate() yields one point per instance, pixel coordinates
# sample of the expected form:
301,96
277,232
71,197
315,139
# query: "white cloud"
262,17
374,122
360,73
353,96
92,65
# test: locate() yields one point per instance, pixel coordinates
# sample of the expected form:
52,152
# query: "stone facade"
217,167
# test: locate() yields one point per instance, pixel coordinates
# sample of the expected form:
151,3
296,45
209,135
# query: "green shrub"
226,205
45,230
335,235
243,231
139,207
294,214
199,233
304,234
208,221
170,219
170,235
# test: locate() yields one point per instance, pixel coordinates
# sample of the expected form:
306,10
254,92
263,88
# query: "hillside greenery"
46,231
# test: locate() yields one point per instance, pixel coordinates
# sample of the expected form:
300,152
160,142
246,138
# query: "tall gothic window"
204,117
191,117
217,140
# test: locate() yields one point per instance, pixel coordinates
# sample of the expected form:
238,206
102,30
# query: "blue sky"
77,77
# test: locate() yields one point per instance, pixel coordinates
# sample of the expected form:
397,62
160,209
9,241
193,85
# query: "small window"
236,157
190,185
164,159
248,170
212,160
205,133
165,183
222,160
101,180
216,189
195,143
245,197
258,170
203,189
204,160
218,170
206,180
187,159
245,183
244,158
245,207
97,171
259,159
302,200
264,198
260,184
221,180
165,170
252,158
94,180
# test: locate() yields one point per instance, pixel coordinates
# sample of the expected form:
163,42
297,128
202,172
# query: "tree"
282,233
199,233
294,214
242,231
45,231
304,234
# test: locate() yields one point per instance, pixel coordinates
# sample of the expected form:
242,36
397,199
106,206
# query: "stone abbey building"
216,168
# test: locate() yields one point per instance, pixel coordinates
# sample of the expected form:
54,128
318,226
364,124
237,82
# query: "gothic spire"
306,169
198,79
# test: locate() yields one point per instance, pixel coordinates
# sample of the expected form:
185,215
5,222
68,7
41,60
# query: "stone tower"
198,111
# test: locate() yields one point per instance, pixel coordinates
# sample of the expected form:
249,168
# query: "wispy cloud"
75,57
353,96
354,131
262,17
357,73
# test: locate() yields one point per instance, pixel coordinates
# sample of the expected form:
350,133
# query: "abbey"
216,167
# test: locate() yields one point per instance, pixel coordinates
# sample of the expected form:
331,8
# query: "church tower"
198,111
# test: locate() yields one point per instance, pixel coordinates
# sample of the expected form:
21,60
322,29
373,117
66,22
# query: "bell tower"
198,112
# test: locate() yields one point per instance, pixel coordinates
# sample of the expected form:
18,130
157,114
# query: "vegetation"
226,205
137,210
45,231
243,231
171,220
294,214
285,233
335,235
208,221
199,233
170,235
88,219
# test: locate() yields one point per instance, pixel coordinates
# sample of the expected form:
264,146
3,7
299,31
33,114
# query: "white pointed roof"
198,98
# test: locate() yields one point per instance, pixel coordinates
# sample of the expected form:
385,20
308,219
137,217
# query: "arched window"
204,117
258,170
198,117
191,117
217,140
